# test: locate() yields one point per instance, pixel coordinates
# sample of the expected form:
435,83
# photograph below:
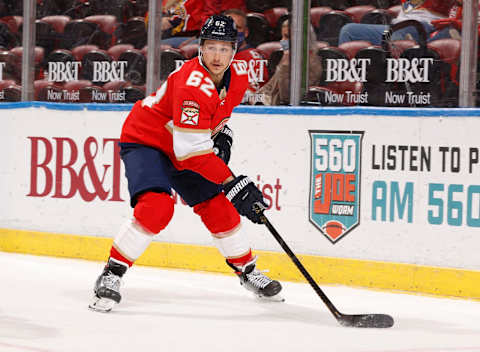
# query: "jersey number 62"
197,79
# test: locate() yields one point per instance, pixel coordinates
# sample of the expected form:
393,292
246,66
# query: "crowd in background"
92,31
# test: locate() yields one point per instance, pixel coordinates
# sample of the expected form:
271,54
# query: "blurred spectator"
184,18
219,6
423,11
452,26
240,19
285,31
277,89
181,21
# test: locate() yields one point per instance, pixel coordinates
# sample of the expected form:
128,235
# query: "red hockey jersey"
184,113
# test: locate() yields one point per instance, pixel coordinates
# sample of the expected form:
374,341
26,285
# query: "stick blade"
366,320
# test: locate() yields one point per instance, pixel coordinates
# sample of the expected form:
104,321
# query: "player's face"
216,55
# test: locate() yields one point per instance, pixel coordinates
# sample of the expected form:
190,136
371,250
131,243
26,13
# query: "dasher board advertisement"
402,188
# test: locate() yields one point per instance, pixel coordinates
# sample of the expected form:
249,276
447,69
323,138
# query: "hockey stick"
349,320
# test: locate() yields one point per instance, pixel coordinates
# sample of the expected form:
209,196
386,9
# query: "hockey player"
167,142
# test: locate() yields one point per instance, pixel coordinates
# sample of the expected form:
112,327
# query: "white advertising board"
390,188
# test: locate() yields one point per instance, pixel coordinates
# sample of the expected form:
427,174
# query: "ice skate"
254,280
107,287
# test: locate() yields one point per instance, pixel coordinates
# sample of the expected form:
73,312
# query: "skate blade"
275,298
102,305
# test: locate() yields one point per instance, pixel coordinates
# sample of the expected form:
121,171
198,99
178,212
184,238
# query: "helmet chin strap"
200,59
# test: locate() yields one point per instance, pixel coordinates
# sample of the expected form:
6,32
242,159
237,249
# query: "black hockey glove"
222,143
244,195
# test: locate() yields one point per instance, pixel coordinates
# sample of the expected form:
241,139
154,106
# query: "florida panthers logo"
190,113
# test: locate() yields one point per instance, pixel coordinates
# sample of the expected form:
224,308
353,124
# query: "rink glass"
96,52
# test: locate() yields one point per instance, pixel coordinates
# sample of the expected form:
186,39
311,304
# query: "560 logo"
335,182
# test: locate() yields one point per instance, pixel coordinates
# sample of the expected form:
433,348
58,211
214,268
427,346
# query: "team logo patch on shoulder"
190,112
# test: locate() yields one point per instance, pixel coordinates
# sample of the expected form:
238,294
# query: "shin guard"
222,220
131,241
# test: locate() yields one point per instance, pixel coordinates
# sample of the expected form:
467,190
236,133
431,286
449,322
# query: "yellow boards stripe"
325,270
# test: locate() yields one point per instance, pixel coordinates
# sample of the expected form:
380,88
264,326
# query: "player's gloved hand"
246,197
222,144
445,22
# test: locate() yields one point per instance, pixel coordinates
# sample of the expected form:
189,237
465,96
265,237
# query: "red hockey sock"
241,261
115,254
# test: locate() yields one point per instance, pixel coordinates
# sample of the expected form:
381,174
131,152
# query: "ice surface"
43,308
